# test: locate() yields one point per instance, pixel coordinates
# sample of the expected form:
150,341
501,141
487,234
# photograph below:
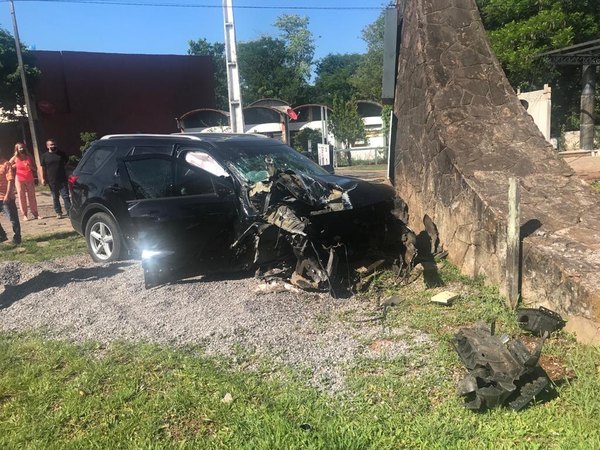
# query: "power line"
192,5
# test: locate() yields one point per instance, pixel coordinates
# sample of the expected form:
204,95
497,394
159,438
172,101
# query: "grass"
56,394
44,247
59,395
596,185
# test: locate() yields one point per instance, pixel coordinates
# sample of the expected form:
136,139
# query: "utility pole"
34,142
236,117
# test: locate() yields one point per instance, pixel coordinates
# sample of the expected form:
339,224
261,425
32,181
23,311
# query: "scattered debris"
502,371
392,301
445,298
367,274
305,427
539,321
275,286
227,399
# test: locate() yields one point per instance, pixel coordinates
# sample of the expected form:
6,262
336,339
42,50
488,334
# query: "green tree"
11,90
216,50
333,75
346,124
519,30
367,78
300,141
264,71
299,43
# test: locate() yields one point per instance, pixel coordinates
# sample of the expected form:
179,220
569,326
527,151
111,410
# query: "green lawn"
44,247
61,395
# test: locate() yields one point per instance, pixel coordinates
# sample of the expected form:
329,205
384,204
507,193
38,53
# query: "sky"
104,26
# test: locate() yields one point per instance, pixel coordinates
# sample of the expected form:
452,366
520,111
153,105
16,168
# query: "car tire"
103,238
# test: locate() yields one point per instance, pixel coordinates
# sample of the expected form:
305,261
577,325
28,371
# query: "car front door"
176,208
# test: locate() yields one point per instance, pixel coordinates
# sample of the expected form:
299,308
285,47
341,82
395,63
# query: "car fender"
97,206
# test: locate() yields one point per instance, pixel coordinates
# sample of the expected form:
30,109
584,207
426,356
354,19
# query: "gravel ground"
74,298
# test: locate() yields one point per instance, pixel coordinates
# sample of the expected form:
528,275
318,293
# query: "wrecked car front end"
298,223
322,221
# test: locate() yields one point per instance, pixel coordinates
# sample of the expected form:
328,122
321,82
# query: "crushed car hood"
321,193
361,193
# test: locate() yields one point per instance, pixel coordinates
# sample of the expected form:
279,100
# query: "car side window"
192,180
97,157
151,178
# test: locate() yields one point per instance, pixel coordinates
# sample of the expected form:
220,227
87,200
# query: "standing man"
7,198
54,174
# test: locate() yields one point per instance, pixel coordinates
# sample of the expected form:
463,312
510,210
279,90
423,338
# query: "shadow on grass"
52,236
47,279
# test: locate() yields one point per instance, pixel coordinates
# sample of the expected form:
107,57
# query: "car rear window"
96,159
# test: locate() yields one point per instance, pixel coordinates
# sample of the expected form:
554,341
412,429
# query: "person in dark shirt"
53,164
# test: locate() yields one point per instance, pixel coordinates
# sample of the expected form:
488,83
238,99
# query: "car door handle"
115,188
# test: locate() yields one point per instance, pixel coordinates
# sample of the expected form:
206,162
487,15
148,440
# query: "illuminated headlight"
149,254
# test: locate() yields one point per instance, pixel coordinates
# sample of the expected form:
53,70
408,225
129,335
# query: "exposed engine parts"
326,229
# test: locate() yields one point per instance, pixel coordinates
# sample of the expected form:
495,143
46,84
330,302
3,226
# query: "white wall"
540,105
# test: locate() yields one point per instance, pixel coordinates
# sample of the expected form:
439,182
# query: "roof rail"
200,135
183,136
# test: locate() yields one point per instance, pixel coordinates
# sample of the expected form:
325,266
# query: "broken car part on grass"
502,371
539,321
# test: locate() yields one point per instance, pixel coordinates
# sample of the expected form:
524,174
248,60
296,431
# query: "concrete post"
513,242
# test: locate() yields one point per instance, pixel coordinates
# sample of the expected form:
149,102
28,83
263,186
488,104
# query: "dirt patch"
47,222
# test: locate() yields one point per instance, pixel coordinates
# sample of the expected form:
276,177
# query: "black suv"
224,202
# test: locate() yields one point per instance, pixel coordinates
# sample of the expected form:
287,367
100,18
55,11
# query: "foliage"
386,112
216,50
299,43
87,138
265,72
521,29
367,78
269,67
11,90
300,141
333,75
346,124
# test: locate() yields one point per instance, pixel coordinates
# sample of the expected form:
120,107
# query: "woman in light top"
25,182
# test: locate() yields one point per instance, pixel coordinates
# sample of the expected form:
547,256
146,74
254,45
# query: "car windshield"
251,162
